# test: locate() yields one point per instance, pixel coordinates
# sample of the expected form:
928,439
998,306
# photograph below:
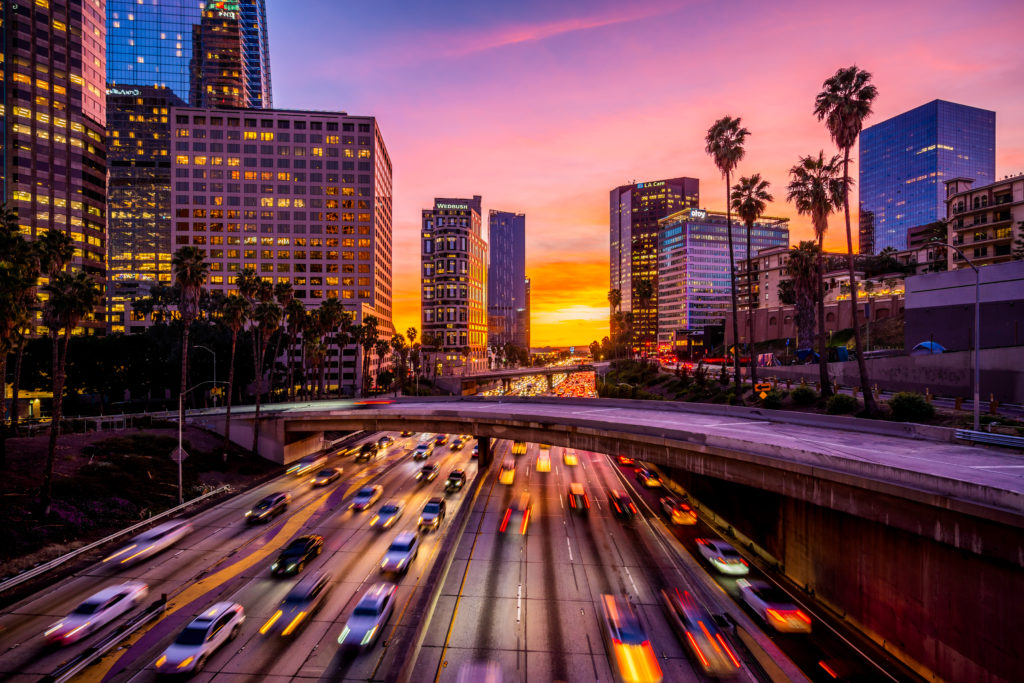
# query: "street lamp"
181,424
214,354
977,334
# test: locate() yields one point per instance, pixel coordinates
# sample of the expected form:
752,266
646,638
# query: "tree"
367,339
267,316
70,298
234,312
615,300
414,355
400,350
802,268
815,188
295,316
16,307
843,104
284,295
749,197
331,315
725,141
190,269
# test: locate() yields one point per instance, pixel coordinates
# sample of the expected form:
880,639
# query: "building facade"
986,222
54,158
303,197
256,43
454,284
506,277
694,288
218,69
634,214
905,160
523,316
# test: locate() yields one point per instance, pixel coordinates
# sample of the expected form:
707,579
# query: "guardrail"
74,666
992,439
56,562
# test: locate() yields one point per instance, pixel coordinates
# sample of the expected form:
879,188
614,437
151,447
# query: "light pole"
214,354
181,425
977,333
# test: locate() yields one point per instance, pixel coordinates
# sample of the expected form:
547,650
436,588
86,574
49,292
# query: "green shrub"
803,395
773,401
841,404
908,406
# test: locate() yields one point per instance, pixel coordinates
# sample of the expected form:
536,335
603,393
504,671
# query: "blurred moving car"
722,556
201,638
326,476
507,473
387,515
302,600
698,632
440,439
774,606
427,473
578,498
385,441
432,514
518,448
570,458
456,480
480,672
677,511
622,505
476,450
367,622
648,478
366,496
626,460
403,550
307,464
457,444
423,450
97,611
268,508
368,451
295,556
517,516
407,433
544,462
151,542
629,649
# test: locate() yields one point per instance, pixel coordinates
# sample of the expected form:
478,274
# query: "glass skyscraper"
905,160
506,278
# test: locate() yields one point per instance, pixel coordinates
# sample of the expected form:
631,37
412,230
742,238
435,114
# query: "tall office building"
506,277
217,69
693,266
524,320
53,117
635,212
256,43
905,161
303,197
454,284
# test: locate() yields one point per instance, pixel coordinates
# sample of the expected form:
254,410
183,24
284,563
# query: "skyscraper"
54,157
905,160
218,76
635,212
454,284
524,320
257,53
506,277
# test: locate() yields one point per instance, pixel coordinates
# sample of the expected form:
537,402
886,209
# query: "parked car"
367,622
97,611
774,606
304,599
201,638
149,543
294,557
432,515
268,508
400,554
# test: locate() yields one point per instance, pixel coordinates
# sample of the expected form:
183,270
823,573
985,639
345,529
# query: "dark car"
368,451
268,508
302,600
427,474
622,505
433,513
456,480
300,551
441,439
385,441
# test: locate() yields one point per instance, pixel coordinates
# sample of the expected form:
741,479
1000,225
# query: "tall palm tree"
267,316
400,351
749,197
381,347
815,188
344,335
295,314
331,315
843,104
414,356
367,338
284,295
190,270
70,298
802,269
725,141
615,301
234,312
247,282
314,350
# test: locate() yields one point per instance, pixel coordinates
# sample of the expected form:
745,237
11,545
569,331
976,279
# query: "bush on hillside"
803,395
842,404
908,406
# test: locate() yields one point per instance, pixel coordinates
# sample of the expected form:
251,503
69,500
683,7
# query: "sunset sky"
543,107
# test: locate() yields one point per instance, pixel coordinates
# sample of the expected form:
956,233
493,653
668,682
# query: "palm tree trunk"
732,290
862,368
259,392
16,386
750,310
826,386
273,363
51,451
288,366
231,387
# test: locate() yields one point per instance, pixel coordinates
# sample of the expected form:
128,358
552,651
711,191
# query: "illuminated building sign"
698,214
134,92
656,183
450,206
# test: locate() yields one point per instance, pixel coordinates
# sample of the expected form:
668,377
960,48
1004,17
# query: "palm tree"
367,338
284,295
815,188
190,269
843,104
414,356
234,312
382,348
725,141
313,348
400,350
614,300
70,298
802,268
749,197
331,315
295,314
267,316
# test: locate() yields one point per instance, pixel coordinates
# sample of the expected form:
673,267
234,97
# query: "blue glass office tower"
506,279
905,160
256,45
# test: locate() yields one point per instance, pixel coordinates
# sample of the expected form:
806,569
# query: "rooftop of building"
703,215
273,112
1002,181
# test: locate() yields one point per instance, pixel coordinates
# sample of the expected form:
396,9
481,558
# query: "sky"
544,107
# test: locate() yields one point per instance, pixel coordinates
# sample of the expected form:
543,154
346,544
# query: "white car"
774,606
400,554
387,515
97,611
149,543
201,638
366,496
722,557
367,622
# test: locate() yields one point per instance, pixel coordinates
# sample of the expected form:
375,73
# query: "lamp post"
977,334
214,354
181,425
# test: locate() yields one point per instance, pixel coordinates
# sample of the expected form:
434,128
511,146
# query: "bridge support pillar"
551,382
506,386
484,448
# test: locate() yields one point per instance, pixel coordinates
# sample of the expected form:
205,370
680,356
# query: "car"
406,434
626,460
629,649
295,556
367,622
151,542
774,606
302,600
368,451
457,444
326,476
507,473
722,557
677,511
517,516
307,464
385,441
268,508
480,672
440,439
387,515
621,504
201,638
432,514
403,550
544,462
648,478
476,451
366,496
97,611
518,448
570,458
423,450
456,480
699,633
427,473
578,499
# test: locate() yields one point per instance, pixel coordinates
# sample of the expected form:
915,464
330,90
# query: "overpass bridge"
459,384
917,541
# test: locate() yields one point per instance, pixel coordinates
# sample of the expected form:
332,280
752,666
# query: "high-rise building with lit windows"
54,160
506,277
303,197
453,304
635,212
256,44
218,64
906,160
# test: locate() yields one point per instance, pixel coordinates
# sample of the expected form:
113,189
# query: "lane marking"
519,603
570,548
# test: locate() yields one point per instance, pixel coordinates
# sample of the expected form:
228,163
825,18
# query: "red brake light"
504,522
526,521
802,617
